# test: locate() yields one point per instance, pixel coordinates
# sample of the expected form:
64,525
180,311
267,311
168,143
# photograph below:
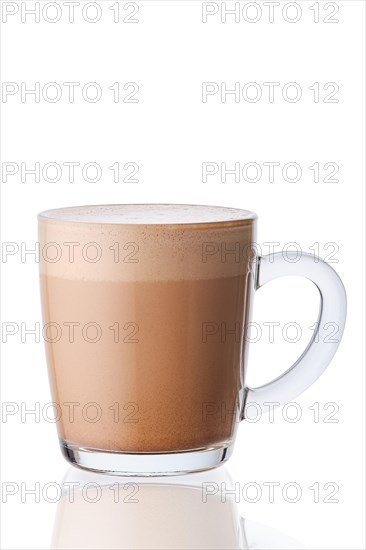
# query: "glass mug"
145,311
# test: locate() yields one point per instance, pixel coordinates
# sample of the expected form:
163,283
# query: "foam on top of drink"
145,242
161,214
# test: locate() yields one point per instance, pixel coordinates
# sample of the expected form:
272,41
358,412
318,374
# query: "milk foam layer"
140,243
147,214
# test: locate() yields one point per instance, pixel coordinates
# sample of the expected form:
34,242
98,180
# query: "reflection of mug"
145,310
194,512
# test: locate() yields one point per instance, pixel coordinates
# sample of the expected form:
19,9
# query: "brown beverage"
144,314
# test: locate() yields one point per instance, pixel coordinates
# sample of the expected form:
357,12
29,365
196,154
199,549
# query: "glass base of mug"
145,464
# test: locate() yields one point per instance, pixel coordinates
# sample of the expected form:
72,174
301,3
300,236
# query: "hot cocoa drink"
145,308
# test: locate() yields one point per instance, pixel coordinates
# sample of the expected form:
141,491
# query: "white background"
169,133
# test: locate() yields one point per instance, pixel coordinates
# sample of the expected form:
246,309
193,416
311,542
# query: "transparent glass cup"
145,311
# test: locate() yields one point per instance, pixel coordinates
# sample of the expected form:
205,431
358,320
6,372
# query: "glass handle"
320,350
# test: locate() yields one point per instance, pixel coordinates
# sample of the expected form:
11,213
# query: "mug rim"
64,215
